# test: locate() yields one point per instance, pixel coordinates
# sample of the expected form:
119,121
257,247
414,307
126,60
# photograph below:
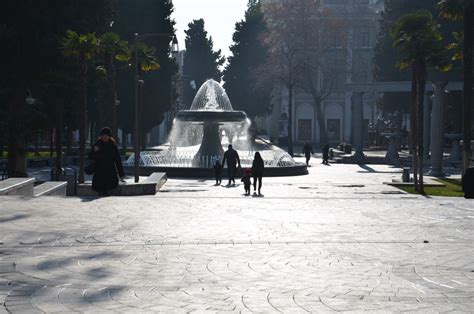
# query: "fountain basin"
202,116
197,172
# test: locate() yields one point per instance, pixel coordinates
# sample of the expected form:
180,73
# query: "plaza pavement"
334,240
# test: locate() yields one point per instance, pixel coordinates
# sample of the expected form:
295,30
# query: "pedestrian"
468,183
307,151
326,155
257,172
246,180
218,172
232,158
107,164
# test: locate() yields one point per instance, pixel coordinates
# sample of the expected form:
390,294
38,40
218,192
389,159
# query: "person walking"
326,155
257,172
218,172
246,180
232,158
107,163
468,183
307,151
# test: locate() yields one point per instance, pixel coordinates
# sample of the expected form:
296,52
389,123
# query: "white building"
357,67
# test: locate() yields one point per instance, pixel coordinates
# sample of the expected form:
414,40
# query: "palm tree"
419,40
147,60
113,49
83,48
463,10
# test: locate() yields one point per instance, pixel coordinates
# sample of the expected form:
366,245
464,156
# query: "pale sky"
219,17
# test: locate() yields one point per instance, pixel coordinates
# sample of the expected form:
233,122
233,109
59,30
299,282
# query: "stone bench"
50,188
17,186
149,186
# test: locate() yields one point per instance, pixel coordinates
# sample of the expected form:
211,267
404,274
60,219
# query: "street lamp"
174,49
29,99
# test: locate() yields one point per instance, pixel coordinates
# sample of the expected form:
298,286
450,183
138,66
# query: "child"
246,181
218,172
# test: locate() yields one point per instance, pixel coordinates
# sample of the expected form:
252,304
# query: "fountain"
198,135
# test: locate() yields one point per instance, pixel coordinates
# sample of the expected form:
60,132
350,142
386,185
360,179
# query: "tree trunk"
113,99
420,93
467,82
414,127
82,121
124,142
51,142
290,119
16,143
323,134
68,141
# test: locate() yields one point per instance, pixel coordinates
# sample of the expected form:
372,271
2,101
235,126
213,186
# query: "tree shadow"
13,218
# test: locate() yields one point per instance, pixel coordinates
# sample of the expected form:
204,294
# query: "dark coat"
468,183
232,158
307,149
108,166
326,152
246,180
257,168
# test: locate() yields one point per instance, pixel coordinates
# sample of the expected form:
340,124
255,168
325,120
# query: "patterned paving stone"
335,240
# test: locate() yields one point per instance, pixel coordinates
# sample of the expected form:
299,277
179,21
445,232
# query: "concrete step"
50,188
17,186
148,186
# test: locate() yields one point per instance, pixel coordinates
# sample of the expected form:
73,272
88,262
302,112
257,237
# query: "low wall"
176,172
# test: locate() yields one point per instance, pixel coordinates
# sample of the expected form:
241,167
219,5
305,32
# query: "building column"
358,119
437,129
427,124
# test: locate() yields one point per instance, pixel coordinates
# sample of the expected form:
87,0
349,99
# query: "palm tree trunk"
290,119
113,99
16,144
414,127
467,82
323,134
83,121
124,142
420,93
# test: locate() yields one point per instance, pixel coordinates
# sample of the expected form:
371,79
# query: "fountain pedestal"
211,147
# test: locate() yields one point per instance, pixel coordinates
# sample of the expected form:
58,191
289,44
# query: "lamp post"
136,38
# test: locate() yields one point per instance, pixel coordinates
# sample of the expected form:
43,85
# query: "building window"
304,130
365,38
334,129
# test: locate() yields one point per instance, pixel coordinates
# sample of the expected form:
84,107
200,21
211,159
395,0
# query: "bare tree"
304,42
323,55
284,62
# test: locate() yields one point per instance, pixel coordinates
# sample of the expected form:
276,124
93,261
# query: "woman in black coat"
107,163
257,172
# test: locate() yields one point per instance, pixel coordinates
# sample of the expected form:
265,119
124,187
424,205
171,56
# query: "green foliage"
147,60
248,53
452,10
112,46
201,62
83,47
146,17
417,37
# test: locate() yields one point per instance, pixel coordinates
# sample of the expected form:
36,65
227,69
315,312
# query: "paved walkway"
334,240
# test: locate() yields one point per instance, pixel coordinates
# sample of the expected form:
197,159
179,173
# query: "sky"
219,17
